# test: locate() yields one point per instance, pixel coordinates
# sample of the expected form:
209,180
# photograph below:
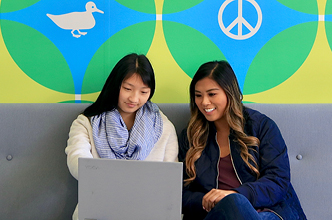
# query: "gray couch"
35,182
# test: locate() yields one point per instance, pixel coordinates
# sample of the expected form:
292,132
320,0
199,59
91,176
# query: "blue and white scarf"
113,140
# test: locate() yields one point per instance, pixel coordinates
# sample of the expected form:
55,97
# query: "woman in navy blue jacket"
235,160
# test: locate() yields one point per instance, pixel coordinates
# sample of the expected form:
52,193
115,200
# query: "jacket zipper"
274,213
230,152
218,162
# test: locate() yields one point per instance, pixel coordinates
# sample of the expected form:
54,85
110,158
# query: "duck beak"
100,11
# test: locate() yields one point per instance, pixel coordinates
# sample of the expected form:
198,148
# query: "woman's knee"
235,199
233,206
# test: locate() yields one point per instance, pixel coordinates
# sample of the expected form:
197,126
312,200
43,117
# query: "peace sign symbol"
240,21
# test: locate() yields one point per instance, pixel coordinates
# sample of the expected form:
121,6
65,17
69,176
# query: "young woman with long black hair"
123,123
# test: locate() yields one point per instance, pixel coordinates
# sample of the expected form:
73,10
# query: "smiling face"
210,99
133,95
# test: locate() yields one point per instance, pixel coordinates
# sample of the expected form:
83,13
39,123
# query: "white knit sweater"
81,144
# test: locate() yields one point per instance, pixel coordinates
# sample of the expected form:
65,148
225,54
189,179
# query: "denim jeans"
237,207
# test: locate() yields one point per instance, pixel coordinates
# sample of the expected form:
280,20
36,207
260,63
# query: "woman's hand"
213,197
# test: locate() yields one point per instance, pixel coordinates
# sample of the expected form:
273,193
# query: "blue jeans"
237,207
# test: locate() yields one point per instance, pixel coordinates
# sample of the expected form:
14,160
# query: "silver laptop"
129,190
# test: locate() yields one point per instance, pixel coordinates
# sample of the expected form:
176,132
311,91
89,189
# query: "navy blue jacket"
272,190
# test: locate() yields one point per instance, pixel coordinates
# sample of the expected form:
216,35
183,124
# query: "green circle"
173,6
328,7
15,5
307,6
37,56
146,6
280,58
189,47
328,29
133,39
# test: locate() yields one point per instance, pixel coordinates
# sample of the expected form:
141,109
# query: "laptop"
129,190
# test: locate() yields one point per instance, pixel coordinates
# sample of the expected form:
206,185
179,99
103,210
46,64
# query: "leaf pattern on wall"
280,58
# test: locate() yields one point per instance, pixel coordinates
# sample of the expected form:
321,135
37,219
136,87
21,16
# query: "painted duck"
75,21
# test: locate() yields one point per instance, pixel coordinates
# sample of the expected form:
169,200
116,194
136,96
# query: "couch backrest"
34,178
35,182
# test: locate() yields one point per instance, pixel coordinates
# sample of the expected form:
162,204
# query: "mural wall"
63,51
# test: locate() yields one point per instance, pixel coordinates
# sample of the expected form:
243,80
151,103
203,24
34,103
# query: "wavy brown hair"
198,128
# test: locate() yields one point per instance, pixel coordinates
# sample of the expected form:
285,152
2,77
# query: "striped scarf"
114,141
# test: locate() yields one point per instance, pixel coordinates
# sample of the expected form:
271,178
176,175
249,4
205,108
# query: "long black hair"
125,68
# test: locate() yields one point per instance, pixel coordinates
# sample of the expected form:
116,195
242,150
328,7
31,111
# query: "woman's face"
133,95
210,99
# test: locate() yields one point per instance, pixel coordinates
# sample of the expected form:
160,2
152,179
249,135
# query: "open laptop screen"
126,189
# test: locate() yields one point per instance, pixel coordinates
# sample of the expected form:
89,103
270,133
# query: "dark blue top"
271,190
